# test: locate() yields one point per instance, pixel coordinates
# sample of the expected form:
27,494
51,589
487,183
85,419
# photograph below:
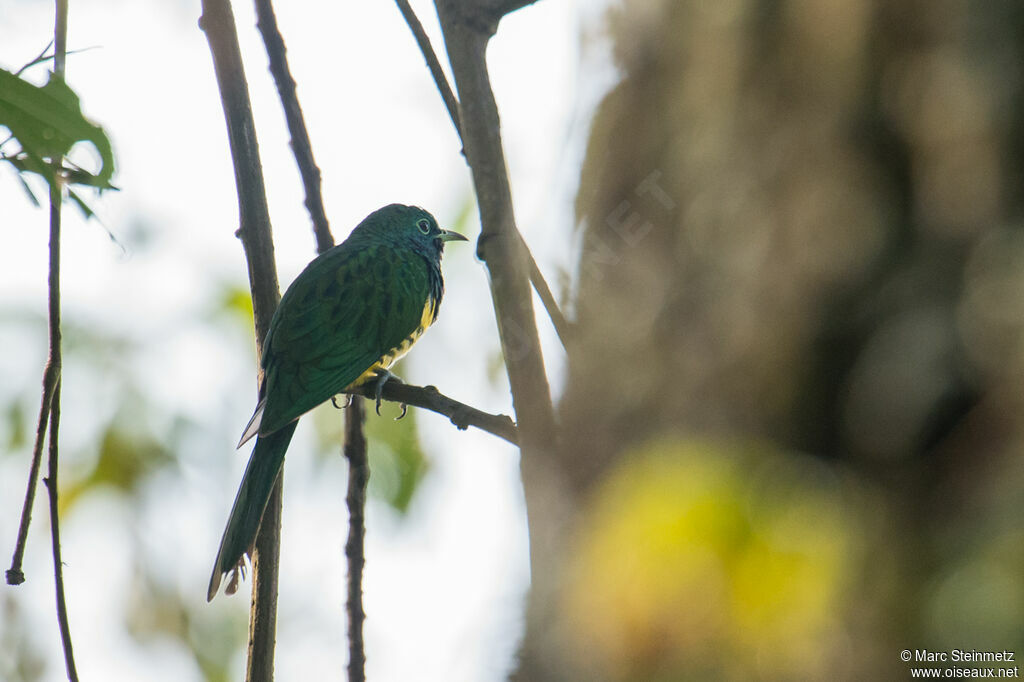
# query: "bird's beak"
449,236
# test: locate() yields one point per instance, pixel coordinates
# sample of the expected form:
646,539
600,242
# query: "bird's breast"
392,356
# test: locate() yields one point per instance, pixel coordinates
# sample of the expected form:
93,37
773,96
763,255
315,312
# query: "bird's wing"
345,311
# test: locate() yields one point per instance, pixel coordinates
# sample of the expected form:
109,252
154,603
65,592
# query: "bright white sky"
444,587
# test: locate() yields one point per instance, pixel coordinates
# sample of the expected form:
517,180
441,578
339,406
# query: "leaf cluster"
46,122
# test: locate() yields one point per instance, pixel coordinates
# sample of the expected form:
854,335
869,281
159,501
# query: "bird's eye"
424,226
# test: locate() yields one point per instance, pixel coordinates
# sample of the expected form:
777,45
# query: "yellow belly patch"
395,354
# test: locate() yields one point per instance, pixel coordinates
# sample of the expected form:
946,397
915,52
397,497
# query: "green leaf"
47,122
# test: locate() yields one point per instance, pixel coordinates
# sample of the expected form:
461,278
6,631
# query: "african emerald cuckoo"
342,323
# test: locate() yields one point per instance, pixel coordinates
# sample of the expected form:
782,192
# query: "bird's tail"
251,500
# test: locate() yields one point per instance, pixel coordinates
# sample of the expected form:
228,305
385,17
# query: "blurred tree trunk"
788,209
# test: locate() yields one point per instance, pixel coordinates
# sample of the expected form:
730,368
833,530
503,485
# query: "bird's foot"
348,401
383,376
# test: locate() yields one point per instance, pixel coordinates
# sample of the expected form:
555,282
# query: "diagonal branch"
433,63
51,375
461,415
562,326
301,146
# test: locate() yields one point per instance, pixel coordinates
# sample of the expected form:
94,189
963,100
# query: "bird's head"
410,226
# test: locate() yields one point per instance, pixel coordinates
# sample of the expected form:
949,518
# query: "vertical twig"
358,475
58,564
60,40
355,438
51,374
218,23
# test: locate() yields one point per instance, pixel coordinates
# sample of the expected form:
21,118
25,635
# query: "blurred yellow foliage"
704,560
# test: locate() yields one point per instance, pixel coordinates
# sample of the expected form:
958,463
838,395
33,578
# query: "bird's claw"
405,408
348,401
383,376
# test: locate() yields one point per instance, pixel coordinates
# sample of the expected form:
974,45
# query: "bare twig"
58,564
355,438
358,475
562,326
301,146
51,374
218,22
433,63
461,415
38,59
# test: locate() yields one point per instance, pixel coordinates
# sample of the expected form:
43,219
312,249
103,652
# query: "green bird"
343,322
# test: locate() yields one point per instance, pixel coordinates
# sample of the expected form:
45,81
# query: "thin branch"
562,325
51,375
461,415
39,59
433,63
301,146
55,361
358,476
58,564
218,23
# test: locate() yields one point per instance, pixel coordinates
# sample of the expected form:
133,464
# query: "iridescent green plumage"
349,315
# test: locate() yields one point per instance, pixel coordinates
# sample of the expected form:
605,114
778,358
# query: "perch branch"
461,415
